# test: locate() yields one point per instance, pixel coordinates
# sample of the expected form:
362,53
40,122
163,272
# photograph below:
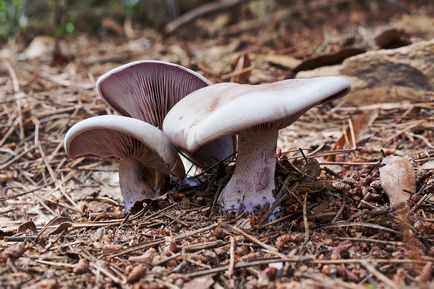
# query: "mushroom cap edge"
247,109
150,136
125,66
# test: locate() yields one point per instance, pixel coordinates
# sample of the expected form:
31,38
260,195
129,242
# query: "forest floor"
62,223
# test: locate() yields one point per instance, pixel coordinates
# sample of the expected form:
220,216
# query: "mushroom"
255,113
148,89
146,154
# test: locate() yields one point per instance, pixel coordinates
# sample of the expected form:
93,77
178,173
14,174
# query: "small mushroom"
146,155
148,89
255,113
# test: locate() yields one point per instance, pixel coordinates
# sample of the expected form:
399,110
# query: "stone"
392,75
41,47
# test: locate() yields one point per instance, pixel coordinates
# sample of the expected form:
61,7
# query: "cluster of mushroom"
166,107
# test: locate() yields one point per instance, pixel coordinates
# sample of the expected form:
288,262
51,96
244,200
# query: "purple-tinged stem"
252,182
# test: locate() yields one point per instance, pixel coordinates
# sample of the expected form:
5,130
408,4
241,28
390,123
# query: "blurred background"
59,18
250,41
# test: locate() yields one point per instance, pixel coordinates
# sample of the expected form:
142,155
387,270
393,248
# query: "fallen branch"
201,11
302,259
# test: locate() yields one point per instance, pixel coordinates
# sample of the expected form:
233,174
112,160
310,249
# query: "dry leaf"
40,47
30,225
327,59
137,273
60,221
428,166
60,229
81,267
285,61
146,258
398,179
241,69
282,240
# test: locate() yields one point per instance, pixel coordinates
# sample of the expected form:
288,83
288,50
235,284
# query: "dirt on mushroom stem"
252,183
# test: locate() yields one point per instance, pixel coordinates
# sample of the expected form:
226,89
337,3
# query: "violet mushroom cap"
148,89
255,113
144,151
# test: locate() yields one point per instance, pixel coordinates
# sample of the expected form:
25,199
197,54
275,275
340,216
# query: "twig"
349,163
353,136
366,225
388,106
370,240
56,264
327,282
94,263
421,201
17,97
302,260
378,274
404,130
269,248
26,193
206,245
5,165
341,209
206,9
231,258
156,242
305,222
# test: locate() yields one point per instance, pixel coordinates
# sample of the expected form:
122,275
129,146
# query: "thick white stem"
137,182
252,182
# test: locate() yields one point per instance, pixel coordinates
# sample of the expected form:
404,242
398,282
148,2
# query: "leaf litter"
353,212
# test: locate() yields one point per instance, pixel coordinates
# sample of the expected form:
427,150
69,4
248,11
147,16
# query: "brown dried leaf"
137,273
53,222
327,59
81,267
285,61
60,229
146,258
398,179
28,226
290,237
241,69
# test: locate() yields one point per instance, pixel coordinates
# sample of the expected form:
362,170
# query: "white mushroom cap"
227,108
148,89
114,136
145,153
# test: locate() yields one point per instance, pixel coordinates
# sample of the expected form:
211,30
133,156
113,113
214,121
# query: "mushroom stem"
252,182
137,182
